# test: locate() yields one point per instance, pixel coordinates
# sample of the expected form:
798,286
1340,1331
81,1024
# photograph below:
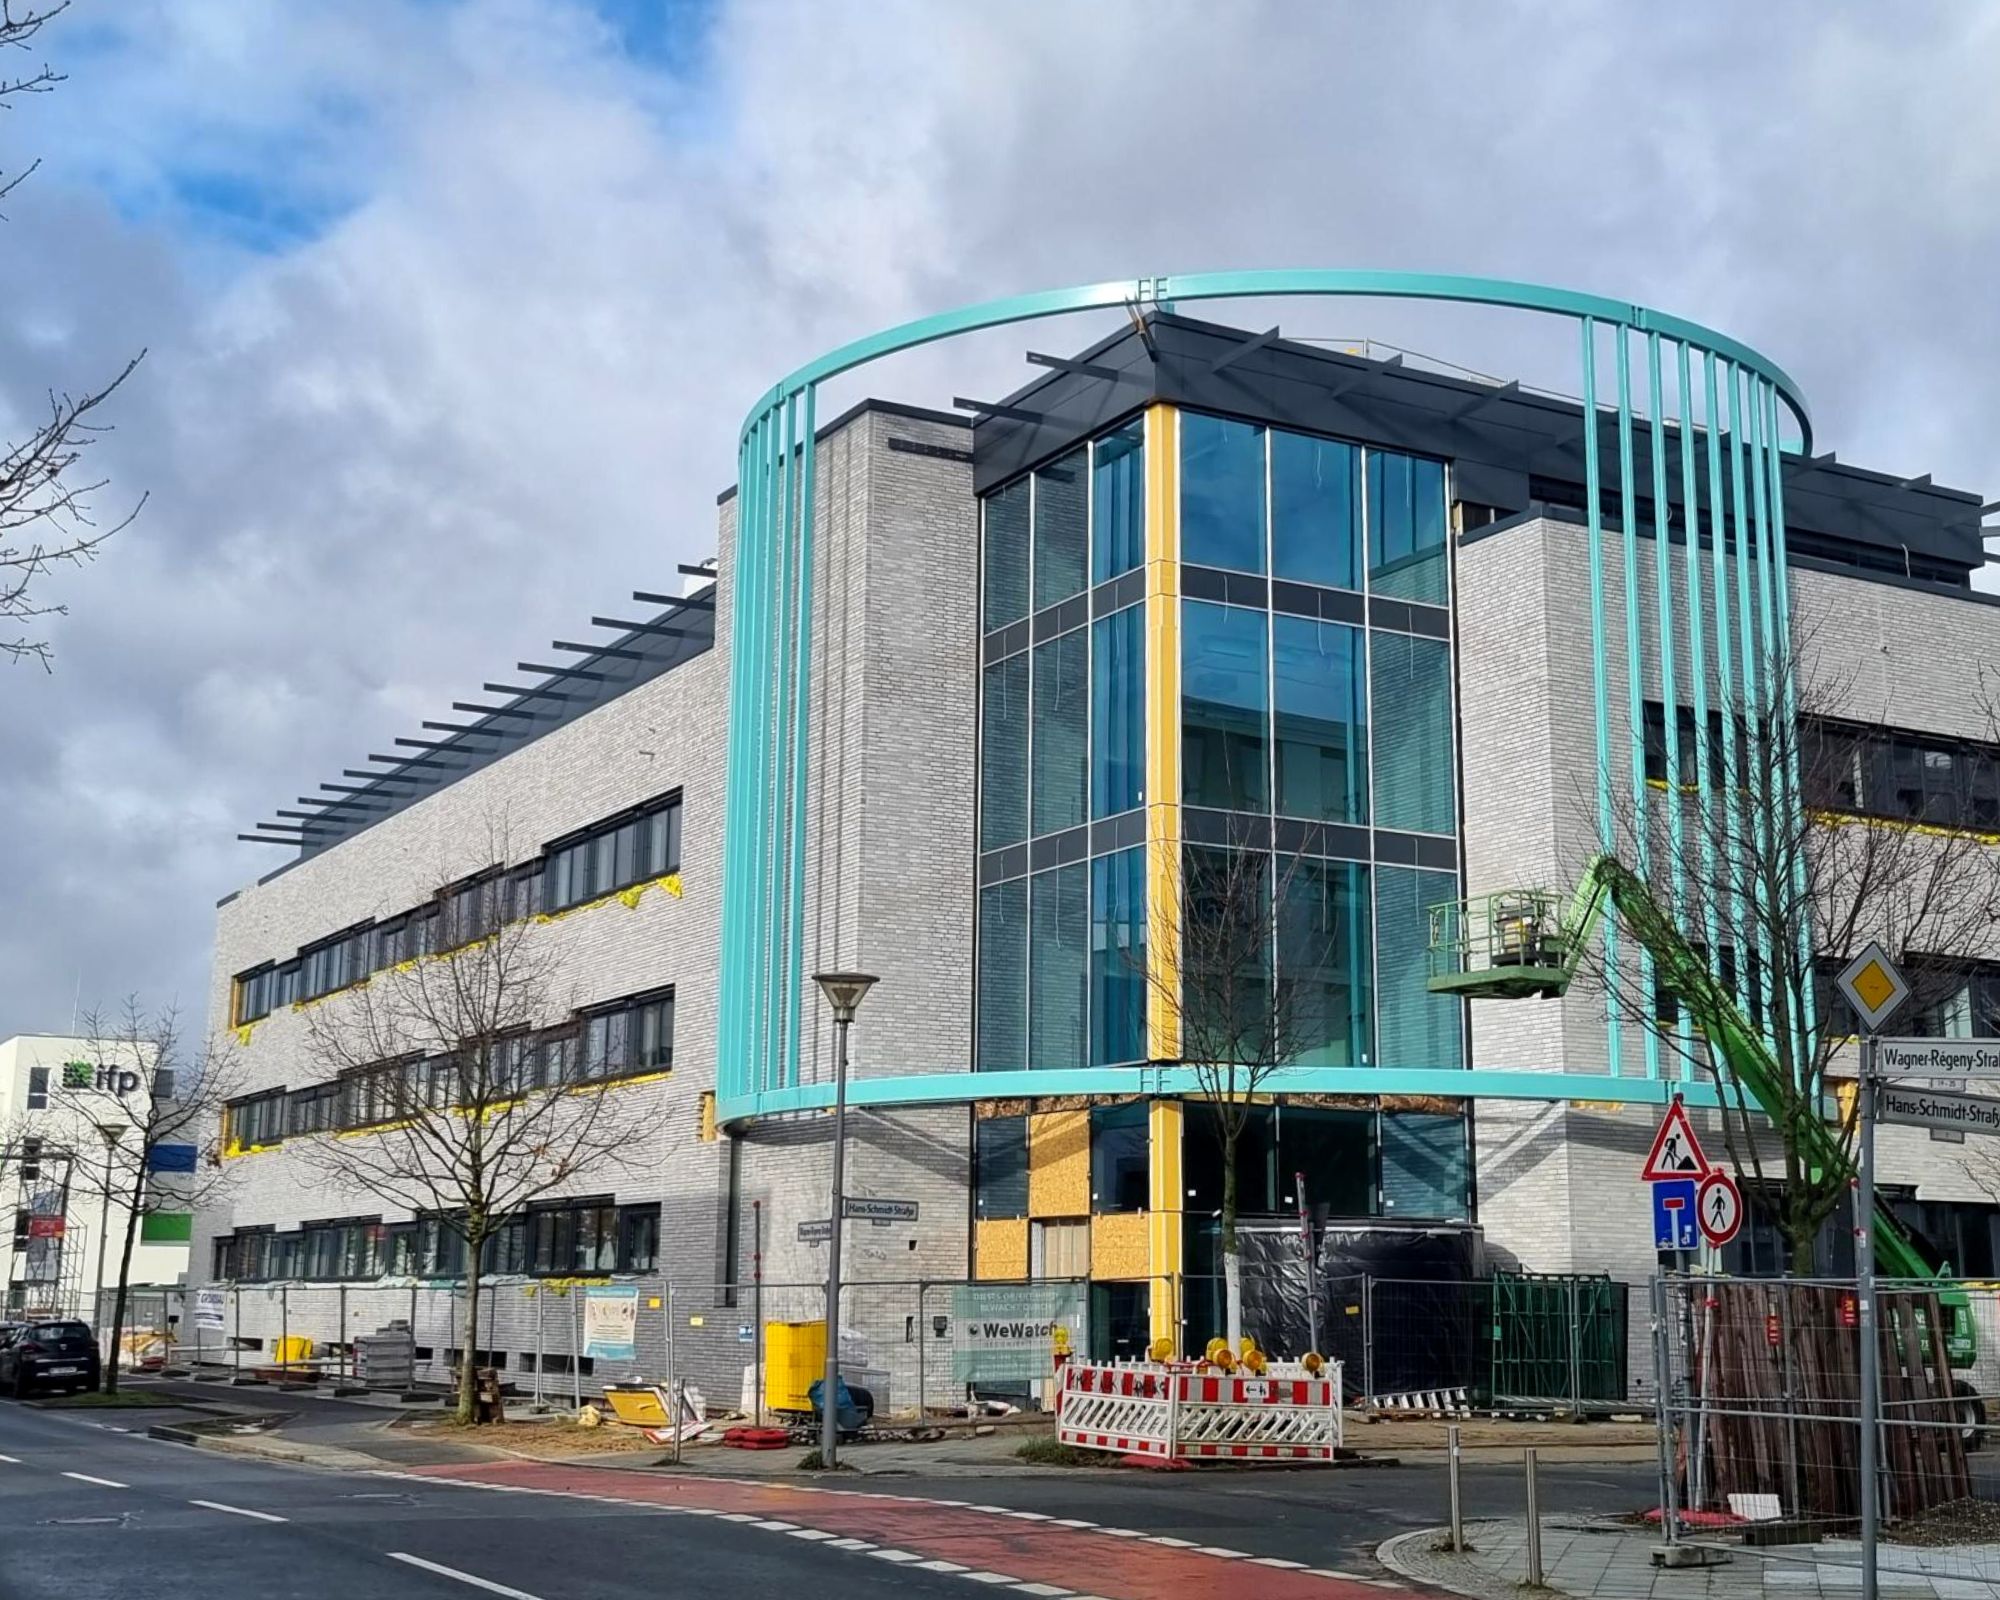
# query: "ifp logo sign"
109,1080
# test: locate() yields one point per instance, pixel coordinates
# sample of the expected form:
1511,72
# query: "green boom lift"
1513,945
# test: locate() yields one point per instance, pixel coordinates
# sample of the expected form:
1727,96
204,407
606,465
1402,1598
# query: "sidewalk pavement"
1611,1561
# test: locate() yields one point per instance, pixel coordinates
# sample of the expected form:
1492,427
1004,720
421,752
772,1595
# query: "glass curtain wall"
1061,923
1316,720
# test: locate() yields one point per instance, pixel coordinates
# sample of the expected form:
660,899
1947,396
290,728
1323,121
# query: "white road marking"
895,1555
990,1577
238,1511
775,1527
1049,1589
1073,1522
849,1544
12,1461
1279,1562
810,1533
939,1566
463,1577
1123,1533
1220,1550
105,1483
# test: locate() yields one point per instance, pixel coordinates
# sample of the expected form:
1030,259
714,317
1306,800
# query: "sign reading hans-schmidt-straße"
1937,1058
1936,1108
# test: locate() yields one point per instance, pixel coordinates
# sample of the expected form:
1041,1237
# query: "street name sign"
1937,1058
1937,1108
861,1208
816,1232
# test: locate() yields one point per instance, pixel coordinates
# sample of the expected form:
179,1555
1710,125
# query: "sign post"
1874,988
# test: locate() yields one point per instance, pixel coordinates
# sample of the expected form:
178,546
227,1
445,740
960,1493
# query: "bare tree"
467,1089
128,1116
1767,847
1240,1016
47,519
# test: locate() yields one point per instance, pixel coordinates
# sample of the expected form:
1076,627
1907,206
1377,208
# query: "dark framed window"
399,1250
313,1110
573,1236
285,986
638,1238
1061,531
31,1160
633,848
1225,706
335,963
1119,1157
1000,1167
255,1119
524,892
470,910
1887,772
1006,555
630,1036
38,1089
253,993
375,1095
342,1250
1222,492
1118,501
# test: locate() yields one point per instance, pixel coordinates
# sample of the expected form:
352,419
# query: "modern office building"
978,700
61,1099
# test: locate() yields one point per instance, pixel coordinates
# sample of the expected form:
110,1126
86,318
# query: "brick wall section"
888,887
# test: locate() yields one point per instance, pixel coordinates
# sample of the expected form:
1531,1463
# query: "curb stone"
1414,1556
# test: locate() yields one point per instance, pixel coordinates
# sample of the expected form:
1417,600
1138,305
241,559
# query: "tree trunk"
1232,1263
468,1354
108,1355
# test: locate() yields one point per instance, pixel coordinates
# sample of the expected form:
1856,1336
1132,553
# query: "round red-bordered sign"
1718,1207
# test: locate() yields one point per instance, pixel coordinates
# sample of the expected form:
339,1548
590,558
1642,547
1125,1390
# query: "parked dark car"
47,1355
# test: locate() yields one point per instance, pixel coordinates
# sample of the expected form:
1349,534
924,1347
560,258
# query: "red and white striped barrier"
1190,1413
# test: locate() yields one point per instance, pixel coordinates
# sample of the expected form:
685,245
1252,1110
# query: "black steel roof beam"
640,627
994,408
559,672
382,778
601,650
416,761
268,838
1480,402
1247,348
1082,369
543,693
694,570
686,602
379,804
495,711
440,744
456,727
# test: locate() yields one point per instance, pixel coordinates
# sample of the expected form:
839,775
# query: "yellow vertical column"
1164,1191
1163,857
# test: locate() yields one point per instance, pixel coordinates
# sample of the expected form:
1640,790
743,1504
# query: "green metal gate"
1557,1338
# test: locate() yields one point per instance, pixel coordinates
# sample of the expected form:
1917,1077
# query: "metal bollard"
1457,1505
1534,1576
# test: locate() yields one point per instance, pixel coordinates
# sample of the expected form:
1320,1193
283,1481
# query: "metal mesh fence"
749,1347
1760,1421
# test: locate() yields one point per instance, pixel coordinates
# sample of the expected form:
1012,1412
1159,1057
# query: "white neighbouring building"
1192,589
56,1095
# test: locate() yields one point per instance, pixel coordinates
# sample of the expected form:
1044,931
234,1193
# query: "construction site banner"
1005,1332
611,1323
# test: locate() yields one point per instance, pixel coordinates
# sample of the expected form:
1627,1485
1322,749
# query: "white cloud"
500,386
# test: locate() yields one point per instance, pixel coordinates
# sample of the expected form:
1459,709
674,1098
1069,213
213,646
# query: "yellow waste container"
794,1360
292,1351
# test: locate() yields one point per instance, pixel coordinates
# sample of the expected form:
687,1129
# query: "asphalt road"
88,1512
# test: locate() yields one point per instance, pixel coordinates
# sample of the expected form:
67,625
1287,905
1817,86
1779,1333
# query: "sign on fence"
208,1309
611,1324
1005,1332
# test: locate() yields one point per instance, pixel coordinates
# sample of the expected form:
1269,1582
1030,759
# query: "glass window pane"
1061,496
1222,493
1406,528
1003,765
1226,1011
1118,958
1058,942
1003,977
1006,555
1325,970
1120,1144
1415,1028
1224,704
1118,501
1118,712
1062,718
1336,1152
1315,509
1000,1167
1424,1166
1322,719
1411,679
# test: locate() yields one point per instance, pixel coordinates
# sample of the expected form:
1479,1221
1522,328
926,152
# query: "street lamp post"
111,1132
844,991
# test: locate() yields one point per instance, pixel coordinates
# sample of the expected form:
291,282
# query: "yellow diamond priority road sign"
1873,987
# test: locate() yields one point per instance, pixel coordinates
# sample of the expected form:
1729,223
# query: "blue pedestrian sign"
1676,1225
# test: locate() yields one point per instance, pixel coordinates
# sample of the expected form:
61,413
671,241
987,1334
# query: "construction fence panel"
1760,1419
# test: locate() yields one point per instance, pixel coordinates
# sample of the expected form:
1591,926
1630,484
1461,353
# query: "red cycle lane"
1031,1552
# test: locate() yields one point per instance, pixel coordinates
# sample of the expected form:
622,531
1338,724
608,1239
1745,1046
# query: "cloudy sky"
452,308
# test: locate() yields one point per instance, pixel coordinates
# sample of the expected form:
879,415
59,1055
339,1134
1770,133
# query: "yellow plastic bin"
794,1360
